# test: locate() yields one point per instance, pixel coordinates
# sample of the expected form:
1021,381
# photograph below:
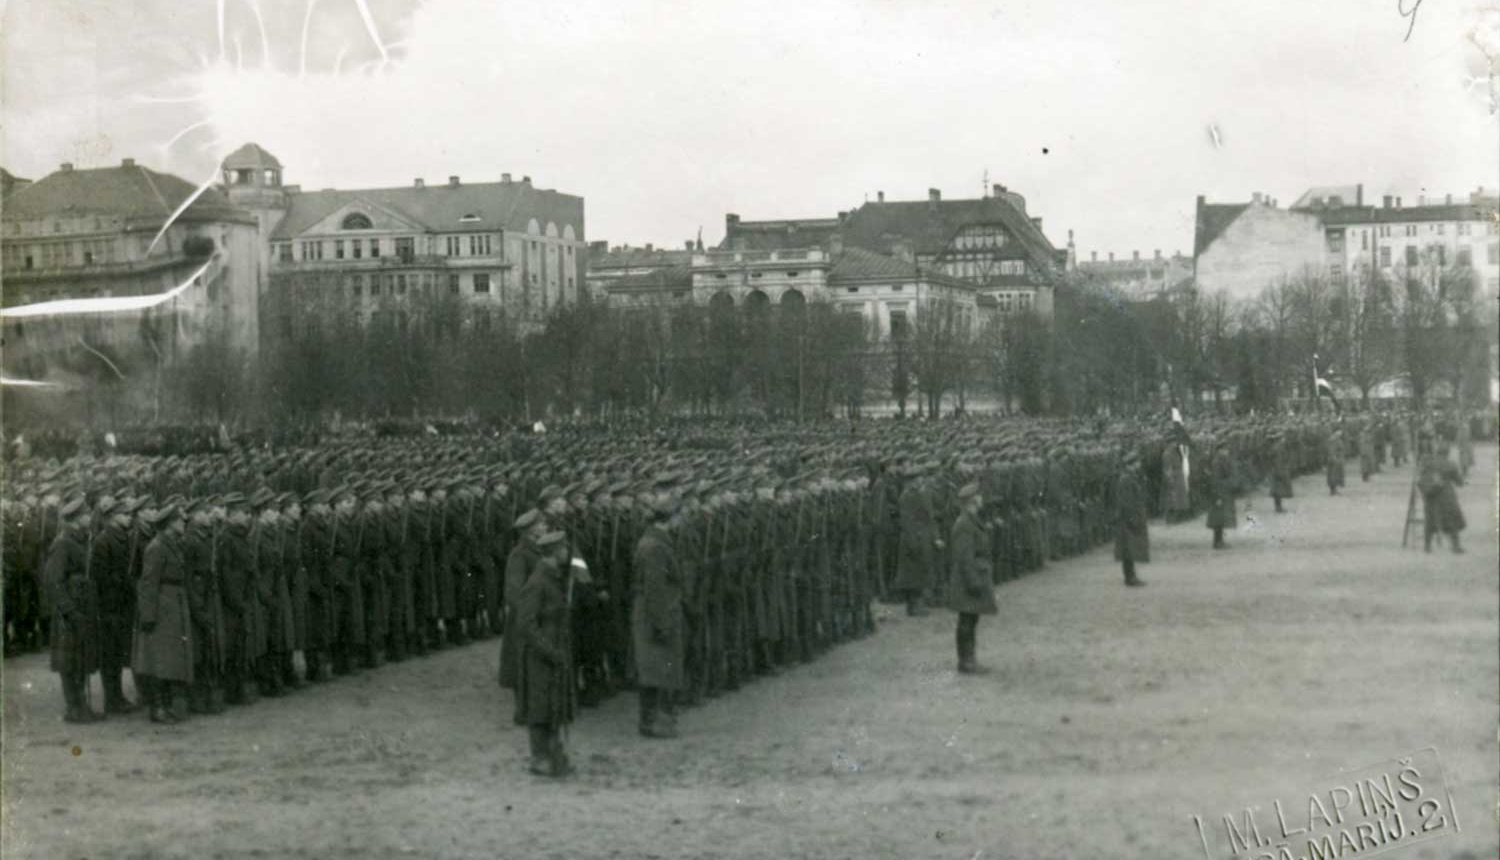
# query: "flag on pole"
1322,387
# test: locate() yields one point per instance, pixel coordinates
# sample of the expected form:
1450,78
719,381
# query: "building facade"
990,243
111,233
1243,248
887,293
607,265
494,248
1139,278
1333,233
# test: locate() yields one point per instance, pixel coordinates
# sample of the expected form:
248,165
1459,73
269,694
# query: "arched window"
356,221
793,299
757,299
722,299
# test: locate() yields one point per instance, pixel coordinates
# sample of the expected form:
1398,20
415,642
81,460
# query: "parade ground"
1110,717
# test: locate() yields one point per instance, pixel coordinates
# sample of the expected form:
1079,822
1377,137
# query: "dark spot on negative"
77,751
1044,150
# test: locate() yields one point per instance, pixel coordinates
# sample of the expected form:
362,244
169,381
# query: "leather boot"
540,743
160,698
561,766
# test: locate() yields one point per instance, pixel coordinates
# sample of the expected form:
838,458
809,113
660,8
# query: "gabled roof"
857,265
251,155
776,235
9,181
129,191
439,208
1213,219
1314,197
930,225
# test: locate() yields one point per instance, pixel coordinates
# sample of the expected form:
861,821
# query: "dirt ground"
1113,715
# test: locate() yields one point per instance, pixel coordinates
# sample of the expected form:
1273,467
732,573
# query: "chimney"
453,182
836,244
998,189
1398,202
934,196
1386,201
1111,256
843,215
1093,256
649,248
1448,200
505,177
127,162
1158,253
66,166
880,197
688,245
418,183
526,180
731,222
1359,194
1255,197
1037,223
1136,255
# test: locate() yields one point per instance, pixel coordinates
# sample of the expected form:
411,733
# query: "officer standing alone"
971,591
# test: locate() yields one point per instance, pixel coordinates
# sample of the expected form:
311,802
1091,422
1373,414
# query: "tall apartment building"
1244,247
497,247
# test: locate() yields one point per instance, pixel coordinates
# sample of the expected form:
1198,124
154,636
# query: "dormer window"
469,218
356,221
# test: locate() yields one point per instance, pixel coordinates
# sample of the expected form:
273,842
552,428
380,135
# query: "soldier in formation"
704,570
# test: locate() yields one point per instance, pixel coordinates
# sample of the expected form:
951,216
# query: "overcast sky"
665,116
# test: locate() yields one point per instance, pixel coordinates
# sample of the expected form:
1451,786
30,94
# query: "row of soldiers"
781,557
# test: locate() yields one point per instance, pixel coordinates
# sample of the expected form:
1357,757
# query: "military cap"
262,498
72,506
106,505
164,513
528,519
664,504
550,492
550,539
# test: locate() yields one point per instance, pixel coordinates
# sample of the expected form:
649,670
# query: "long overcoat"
1334,461
544,678
1438,481
518,566
1130,518
75,603
1221,487
1281,470
972,586
163,644
918,557
657,620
